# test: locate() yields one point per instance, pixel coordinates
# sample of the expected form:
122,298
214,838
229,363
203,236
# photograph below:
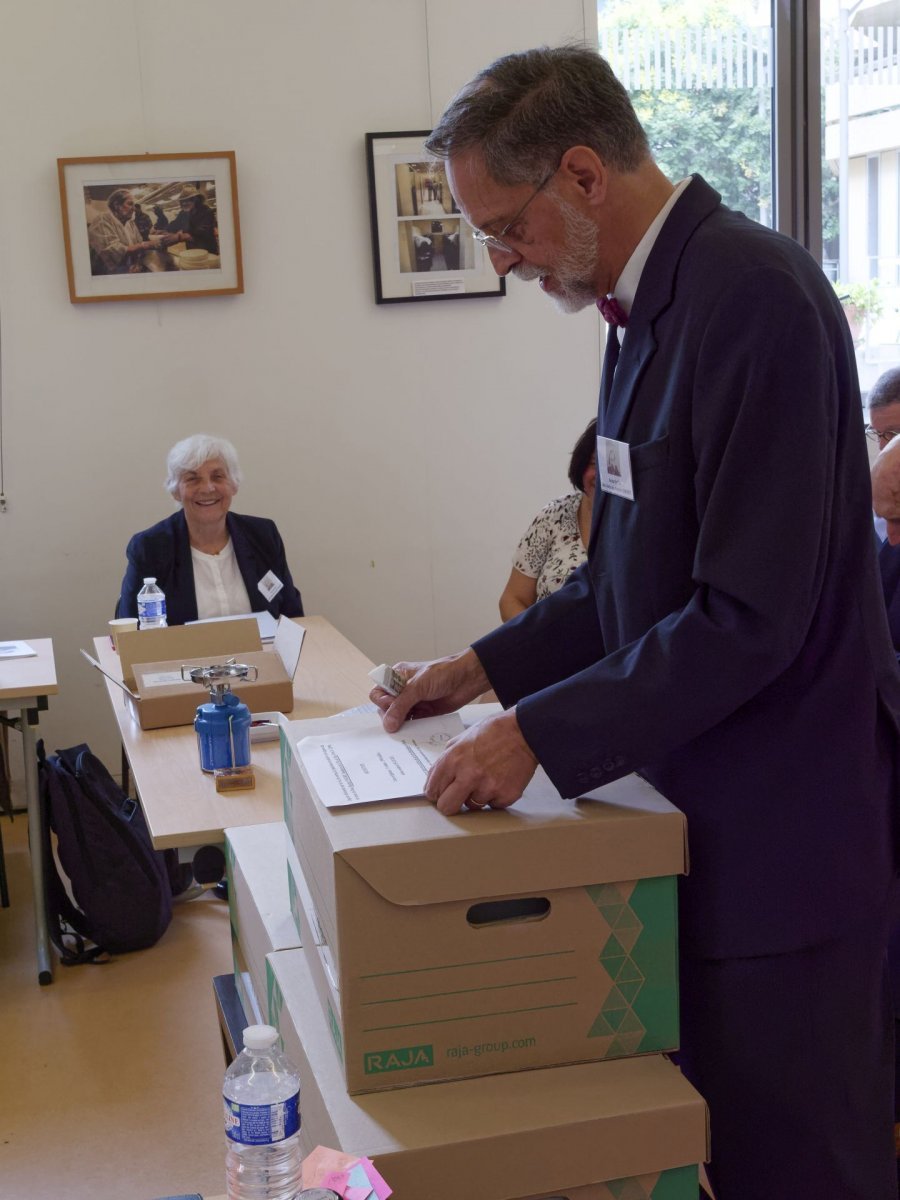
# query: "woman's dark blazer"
164,551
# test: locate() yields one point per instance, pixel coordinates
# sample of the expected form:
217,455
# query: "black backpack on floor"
119,884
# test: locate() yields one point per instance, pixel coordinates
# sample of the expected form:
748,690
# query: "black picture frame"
422,246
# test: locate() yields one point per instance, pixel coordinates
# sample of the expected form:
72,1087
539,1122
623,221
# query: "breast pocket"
648,455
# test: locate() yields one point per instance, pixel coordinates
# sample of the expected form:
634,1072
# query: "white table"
180,803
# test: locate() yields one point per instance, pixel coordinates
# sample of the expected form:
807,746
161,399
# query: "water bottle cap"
150,579
260,1037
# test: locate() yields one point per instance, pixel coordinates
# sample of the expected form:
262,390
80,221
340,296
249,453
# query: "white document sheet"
360,766
17,650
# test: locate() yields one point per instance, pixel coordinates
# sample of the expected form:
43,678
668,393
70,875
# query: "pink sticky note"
359,1193
321,1162
336,1180
382,1191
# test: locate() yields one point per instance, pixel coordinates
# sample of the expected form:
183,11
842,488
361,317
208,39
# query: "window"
790,109
701,80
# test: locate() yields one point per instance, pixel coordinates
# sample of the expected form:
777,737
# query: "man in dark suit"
889,564
884,428
726,637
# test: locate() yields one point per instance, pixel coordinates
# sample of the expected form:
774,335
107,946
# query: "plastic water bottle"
262,1121
151,604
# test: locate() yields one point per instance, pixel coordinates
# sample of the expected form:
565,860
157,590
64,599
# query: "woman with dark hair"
555,542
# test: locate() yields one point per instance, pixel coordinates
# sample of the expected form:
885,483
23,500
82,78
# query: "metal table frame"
28,709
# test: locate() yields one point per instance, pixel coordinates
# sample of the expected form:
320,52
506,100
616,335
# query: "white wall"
402,449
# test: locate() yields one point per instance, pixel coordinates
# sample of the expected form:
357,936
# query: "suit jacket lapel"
247,563
636,351
184,570
655,295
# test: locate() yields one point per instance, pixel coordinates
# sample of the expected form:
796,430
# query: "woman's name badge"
270,585
614,467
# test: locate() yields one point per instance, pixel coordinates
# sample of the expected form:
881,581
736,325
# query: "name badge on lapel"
270,585
614,467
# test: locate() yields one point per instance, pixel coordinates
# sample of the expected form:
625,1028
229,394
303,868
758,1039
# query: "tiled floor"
111,1075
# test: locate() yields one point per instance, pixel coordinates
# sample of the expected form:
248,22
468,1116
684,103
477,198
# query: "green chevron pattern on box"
639,1014
275,1000
287,801
336,1035
242,980
229,860
679,1183
294,899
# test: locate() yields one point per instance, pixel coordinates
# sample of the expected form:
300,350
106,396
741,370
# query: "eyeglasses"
497,243
884,435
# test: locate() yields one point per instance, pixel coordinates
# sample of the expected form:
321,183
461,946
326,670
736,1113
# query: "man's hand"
488,766
432,688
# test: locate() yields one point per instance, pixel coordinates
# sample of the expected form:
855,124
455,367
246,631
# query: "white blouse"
220,587
552,547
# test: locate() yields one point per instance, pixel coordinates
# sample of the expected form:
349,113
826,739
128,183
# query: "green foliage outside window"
724,133
866,298
721,133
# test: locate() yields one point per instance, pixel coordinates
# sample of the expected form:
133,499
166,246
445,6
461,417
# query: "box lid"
412,854
186,642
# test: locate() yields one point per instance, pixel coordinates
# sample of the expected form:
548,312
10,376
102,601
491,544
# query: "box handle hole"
500,912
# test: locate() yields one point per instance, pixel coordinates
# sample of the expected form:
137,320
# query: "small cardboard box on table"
152,660
488,942
259,907
630,1128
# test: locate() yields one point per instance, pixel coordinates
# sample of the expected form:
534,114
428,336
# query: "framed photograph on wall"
151,226
422,248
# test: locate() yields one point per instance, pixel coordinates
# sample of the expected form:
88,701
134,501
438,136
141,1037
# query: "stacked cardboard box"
258,899
627,1129
521,965
152,662
490,942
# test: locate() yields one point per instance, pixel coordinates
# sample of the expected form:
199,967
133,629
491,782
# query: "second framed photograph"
422,248
151,226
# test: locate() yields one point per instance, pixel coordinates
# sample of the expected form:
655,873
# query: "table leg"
27,723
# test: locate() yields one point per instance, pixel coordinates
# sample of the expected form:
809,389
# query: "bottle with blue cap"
151,605
262,1121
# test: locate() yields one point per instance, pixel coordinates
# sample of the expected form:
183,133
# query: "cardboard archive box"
490,941
152,660
630,1128
259,907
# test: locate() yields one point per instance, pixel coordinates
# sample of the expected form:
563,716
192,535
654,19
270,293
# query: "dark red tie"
612,311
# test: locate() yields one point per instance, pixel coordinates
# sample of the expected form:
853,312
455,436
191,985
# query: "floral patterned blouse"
552,548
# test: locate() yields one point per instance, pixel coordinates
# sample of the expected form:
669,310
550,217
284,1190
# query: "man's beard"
573,272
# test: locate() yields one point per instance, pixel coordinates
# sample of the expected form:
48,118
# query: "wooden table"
25,684
181,804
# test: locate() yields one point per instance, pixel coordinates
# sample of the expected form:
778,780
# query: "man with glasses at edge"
727,635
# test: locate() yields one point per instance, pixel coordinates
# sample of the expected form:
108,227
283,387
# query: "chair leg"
5,784
4,886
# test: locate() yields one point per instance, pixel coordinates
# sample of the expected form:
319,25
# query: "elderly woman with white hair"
209,561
